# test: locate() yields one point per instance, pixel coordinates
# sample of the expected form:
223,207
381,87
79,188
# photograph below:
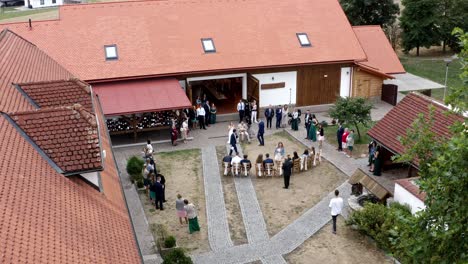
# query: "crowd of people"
155,186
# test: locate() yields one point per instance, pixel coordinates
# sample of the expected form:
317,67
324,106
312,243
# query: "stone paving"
218,228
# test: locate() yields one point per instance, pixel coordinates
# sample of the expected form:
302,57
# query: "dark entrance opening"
224,93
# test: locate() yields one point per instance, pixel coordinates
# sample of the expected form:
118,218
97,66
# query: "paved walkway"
218,228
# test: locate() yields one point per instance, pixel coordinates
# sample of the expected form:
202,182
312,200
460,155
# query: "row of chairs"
270,170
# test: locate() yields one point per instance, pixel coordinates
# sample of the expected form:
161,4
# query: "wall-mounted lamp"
272,78
325,76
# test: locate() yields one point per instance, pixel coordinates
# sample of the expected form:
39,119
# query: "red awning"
141,96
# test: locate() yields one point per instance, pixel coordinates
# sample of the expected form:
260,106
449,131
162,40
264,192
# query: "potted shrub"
170,242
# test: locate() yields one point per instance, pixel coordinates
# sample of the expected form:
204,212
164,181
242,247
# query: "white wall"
277,96
92,177
405,197
345,84
47,3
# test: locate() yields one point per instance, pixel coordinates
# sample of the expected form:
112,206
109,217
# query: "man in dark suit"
307,121
267,160
261,131
163,182
339,135
287,169
269,113
159,190
279,115
207,108
233,142
245,160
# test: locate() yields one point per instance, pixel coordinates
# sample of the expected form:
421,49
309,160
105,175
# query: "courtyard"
250,219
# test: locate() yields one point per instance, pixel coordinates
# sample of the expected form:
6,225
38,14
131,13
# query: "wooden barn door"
253,89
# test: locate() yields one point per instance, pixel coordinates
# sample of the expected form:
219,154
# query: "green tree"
370,12
442,227
352,110
451,14
418,22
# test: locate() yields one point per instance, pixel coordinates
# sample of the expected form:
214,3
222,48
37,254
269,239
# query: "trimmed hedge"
135,168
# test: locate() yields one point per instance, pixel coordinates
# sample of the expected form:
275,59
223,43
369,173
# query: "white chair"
227,168
236,169
304,161
259,169
269,170
246,169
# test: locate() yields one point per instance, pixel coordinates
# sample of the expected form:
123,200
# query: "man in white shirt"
241,110
236,159
148,149
336,205
201,117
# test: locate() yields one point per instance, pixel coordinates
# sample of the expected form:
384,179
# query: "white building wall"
405,197
43,3
279,96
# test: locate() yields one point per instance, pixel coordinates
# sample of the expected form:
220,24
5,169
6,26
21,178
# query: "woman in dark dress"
313,129
213,112
174,135
377,162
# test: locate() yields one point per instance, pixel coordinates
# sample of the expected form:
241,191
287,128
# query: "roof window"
208,45
111,52
303,39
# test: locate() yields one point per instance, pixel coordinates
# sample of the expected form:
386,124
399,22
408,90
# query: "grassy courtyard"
360,145
183,172
433,68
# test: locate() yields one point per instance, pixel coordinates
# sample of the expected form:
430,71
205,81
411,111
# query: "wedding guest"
192,216
180,208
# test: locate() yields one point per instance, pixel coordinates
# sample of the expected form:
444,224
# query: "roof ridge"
82,84
431,100
42,110
12,32
45,82
89,117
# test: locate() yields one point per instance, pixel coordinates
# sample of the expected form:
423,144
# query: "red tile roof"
396,122
141,96
410,185
68,135
59,93
21,61
156,38
379,51
47,218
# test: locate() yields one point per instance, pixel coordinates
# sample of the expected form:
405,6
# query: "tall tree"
370,12
451,14
418,22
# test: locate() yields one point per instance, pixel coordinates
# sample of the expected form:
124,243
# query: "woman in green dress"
377,162
295,116
192,216
313,129
213,111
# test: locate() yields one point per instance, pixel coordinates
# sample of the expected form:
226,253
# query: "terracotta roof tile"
411,186
22,61
164,37
64,132
379,51
396,122
47,218
59,93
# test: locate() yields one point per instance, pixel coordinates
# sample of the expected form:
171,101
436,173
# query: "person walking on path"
261,131
192,216
241,110
233,142
287,169
180,208
201,117
159,190
269,113
284,119
279,115
339,135
336,205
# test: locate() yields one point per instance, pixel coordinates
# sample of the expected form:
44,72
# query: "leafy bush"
140,184
177,256
135,168
170,242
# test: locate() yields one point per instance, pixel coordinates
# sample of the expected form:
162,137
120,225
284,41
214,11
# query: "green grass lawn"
433,68
360,145
10,12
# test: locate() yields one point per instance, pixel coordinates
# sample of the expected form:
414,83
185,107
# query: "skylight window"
303,39
208,45
111,52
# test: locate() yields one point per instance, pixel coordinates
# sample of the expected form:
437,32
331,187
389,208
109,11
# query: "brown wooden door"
253,88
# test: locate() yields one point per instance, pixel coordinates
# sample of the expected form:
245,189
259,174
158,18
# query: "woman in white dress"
284,118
